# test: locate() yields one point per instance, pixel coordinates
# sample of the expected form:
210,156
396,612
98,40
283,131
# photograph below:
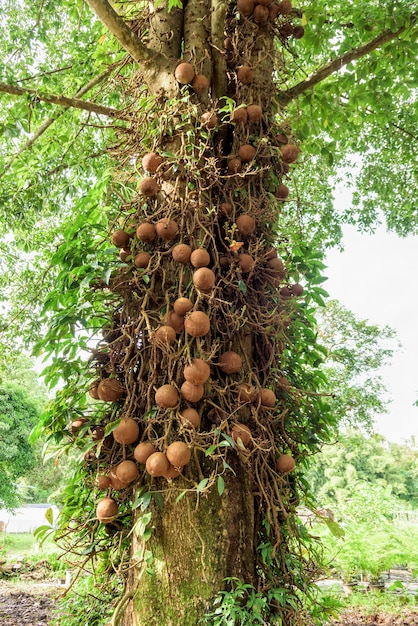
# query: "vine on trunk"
194,379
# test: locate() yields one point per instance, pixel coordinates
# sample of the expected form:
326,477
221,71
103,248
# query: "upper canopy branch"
76,103
157,69
326,70
126,37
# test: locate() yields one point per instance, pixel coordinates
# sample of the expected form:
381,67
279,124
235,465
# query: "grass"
391,603
14,546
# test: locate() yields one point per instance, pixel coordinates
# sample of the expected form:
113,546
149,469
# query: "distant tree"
18,415
358,463
354,351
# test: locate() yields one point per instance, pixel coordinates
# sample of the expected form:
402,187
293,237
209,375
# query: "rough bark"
157,69
196,543
165,29
196,39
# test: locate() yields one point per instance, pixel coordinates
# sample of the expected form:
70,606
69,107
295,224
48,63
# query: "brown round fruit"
120,239
181,253
200,258
110,390
167,229
127,471
271,253
176,321
124,254
102,482
178,453
146,232
247,153
167,396
204,279
261,14
285,463
115,482
297,289
165,334
184,73
148,187
268,398
281,192
93,390
254,113
97,433
234,166
285,7
230,362
200,84
225,209
106,509
172,472
197,371
142,259
246,225
151,162
273,11
246,262
192,393
197,324
143,450
190,418
245,7
241,432
182,306
126,432
209,120
246,393
239,116
157,464
276,266
286,30
245,74
290,153
76,425
298,32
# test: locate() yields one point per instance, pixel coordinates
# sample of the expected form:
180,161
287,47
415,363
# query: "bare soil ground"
26,603
30,603
355,617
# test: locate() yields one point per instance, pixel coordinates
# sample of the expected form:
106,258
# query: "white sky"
375,278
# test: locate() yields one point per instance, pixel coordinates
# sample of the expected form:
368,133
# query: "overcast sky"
375,278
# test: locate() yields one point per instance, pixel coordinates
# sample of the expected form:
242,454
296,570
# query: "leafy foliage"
18,415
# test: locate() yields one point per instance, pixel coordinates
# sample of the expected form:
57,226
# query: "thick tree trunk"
196,543
206,536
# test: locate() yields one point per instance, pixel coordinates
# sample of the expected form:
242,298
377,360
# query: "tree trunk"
196,543
208,535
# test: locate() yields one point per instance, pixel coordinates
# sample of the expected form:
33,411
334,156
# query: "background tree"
87,289
18,415
357,460
355,350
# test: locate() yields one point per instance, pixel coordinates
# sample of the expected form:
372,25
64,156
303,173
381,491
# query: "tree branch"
76,103
116,25
83,90
158,70
284,97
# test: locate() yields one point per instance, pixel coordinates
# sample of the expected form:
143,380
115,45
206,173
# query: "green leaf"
221,485
202,485
49,515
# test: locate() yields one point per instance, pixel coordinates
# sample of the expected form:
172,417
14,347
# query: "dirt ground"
355,617
26,604
31,603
